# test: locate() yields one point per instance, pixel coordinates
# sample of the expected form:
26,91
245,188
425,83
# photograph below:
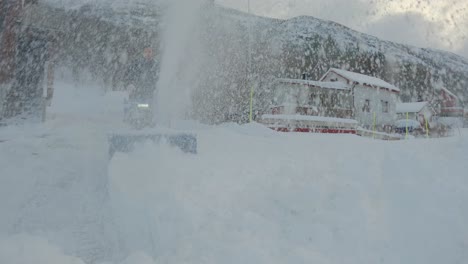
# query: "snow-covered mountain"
440,68
289,47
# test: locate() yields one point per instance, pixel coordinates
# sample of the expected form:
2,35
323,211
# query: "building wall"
332,77
410,116
328,102
362,93
426,112
376,97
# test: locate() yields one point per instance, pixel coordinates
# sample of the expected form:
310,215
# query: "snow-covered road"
250,195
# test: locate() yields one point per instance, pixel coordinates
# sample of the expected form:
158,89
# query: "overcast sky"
441,24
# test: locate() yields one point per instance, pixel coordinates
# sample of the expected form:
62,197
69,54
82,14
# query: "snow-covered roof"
293,105
410,107
325,85
311,118
449,92
363,79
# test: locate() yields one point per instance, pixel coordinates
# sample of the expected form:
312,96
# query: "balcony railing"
338,112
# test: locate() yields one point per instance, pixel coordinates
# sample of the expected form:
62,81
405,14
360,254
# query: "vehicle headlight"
143,105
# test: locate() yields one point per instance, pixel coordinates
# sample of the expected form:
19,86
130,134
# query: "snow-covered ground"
250,195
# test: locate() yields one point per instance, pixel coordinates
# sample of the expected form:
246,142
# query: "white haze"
181,58
438,24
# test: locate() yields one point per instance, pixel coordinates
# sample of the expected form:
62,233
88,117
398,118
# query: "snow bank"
138,258
294,199
250,195
311,118
24,249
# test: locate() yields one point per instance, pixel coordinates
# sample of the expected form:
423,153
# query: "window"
323,100
313,98
384,106
366,107
334,100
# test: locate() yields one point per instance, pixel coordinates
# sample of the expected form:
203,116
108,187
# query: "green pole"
407,117
427,128
251,103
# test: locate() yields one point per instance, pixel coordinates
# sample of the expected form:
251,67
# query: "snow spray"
181,60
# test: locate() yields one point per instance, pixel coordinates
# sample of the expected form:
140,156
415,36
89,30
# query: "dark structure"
24,54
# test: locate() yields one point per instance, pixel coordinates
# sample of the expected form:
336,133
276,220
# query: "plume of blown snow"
182,54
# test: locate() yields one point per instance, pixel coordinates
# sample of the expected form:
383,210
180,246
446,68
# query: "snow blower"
139,115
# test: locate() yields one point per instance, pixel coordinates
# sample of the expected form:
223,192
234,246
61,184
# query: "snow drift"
255,197
250,195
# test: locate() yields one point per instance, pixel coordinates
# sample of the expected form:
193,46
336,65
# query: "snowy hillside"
281,48
250,195
300,28
305,26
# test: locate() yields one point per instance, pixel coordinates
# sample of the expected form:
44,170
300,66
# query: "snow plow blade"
125,142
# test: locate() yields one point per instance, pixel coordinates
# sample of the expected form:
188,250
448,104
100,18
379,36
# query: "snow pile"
138,258
24,249
311,118
250,195
294,199
252,129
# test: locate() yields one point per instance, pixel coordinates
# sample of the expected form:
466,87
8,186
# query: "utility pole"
249,66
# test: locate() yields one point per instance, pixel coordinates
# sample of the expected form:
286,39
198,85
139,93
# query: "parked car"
410,126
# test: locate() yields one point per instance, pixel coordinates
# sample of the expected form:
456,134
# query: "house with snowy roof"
339,94
373,98
302,105
447,103
419,111
306,97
